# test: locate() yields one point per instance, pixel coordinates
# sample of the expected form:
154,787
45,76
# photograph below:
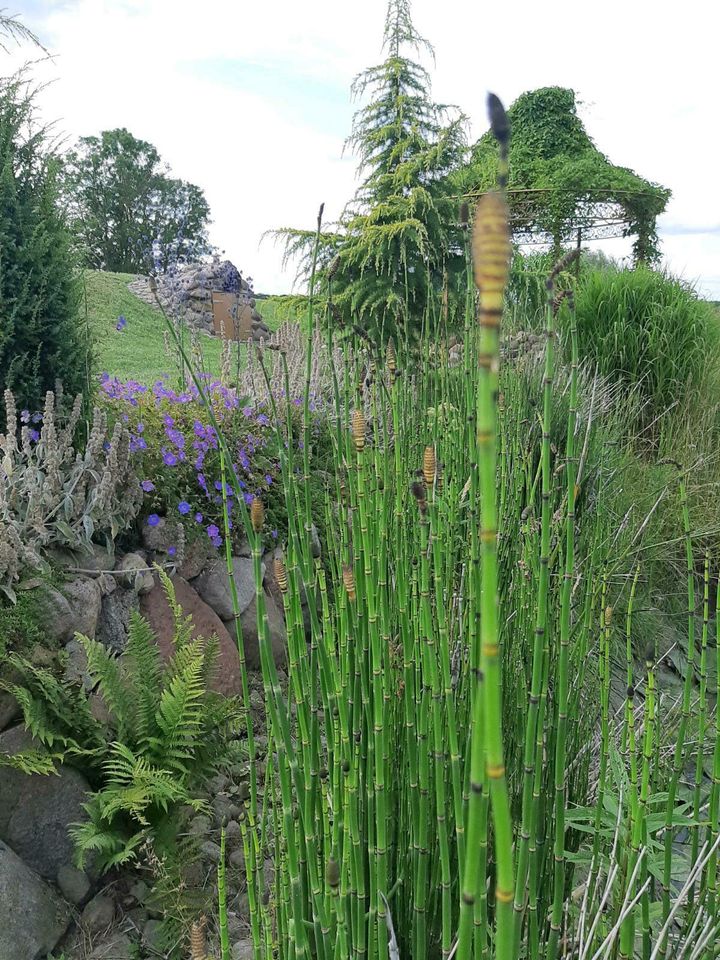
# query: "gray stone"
236,928
213,585
135,574
237,859
74,884
85,599
97,559
196,558
161,537
232,830
107,583
53,613
112,630
221,805
76,664
153,935
9,709
37,812
98,914
32,916
199,826
139,891
276,626
242,950
210,851
117,946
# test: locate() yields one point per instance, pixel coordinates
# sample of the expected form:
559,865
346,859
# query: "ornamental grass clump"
474,753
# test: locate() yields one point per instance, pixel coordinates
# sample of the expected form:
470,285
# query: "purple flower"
212,531
198,518
172,551
268,479
248,498
263,420
216,541
36,418
148,486
121,324
169,458
153,520
184,507
140,428
25,416
34,435
273,534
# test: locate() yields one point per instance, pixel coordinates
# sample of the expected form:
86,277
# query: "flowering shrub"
175,451
52,493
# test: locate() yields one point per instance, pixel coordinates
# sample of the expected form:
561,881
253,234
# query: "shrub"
41,340
650,331
54,494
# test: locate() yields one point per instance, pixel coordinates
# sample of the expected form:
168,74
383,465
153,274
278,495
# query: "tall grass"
457,706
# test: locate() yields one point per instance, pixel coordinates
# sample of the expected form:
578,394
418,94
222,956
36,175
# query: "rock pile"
186,291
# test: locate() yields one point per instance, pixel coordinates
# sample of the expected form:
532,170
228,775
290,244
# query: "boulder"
114,622
74,884
76,665
53,613
196,558
98,914
213,585
161,537
32,916
155,608
135,573
9,709
85,599
242,950
115,946
276,624
36,811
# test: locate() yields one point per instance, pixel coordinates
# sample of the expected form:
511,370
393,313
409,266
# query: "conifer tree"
41,340
396,239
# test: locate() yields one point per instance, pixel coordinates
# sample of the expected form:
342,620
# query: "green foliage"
650,331
171,730
167,732
551,152
41,340
128,213
396,239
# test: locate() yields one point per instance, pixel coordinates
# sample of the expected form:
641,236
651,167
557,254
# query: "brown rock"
156,610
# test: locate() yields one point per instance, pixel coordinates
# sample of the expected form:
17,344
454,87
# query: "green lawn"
138,351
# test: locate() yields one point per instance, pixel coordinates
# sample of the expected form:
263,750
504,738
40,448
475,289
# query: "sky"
251,101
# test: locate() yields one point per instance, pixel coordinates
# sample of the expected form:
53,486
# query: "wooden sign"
231,317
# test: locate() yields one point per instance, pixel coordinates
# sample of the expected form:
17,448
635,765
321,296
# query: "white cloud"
164,69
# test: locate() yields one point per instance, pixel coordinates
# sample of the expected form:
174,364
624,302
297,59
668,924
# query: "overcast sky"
251,100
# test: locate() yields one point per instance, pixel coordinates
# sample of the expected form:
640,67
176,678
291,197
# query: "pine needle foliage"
397,238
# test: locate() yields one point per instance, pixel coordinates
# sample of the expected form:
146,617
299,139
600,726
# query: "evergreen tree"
41,340
396,239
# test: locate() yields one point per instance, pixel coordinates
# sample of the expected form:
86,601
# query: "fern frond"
183,625
104,669
31,761
143,669
179,715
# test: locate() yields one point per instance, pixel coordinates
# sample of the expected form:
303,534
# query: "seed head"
349,581
197,940
391,358
332,872
358,430
491,249
280,573
334,265
419,491
429,465
499,123
257,514
464,215
608,615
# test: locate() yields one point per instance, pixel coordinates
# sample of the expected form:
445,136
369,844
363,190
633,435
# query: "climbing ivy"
551,152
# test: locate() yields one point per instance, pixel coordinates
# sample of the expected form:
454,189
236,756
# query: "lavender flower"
148,486
153,520
184,507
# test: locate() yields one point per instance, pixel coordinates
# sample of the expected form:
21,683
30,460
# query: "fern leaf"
144,669
104,669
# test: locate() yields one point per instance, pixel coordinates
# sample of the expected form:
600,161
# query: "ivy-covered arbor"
560,183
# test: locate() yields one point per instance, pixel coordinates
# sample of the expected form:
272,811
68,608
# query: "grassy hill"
137,352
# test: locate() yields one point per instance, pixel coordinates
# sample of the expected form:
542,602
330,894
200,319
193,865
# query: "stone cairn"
186,292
